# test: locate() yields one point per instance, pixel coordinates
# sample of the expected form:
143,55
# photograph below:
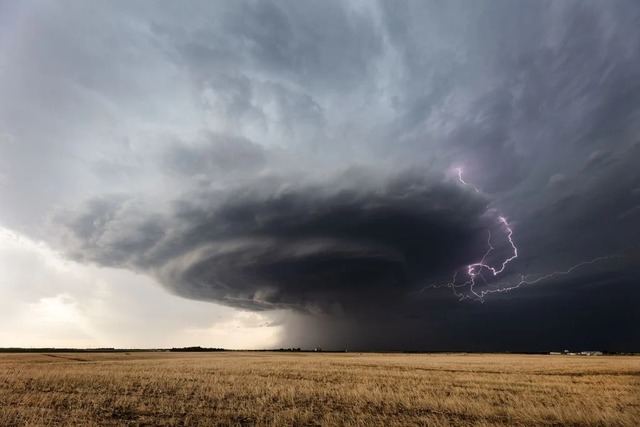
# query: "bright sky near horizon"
50,301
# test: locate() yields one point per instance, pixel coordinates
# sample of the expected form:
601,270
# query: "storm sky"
252,174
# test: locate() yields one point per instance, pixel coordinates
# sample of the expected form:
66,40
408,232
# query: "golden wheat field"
307,389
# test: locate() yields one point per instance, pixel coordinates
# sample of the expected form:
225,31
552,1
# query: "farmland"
259,388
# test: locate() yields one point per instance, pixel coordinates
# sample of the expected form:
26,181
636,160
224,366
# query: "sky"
367,175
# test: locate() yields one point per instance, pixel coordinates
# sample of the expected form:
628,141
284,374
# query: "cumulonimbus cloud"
281,244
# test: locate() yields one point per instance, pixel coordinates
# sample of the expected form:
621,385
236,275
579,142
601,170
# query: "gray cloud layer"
299,154
276,243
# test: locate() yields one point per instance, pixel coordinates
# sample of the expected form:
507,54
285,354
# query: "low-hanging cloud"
353,240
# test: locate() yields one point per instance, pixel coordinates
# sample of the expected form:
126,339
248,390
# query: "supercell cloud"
354,240
300,157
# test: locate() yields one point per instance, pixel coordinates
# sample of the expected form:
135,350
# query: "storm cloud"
354,240
301,156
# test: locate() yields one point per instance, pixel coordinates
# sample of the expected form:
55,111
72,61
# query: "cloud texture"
294,155
277,243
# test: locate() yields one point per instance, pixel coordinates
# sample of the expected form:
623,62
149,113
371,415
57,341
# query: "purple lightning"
463,182
474,271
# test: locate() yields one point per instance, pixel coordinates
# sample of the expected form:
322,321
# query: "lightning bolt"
474,271
463,182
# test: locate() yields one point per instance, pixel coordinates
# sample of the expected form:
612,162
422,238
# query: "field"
245,388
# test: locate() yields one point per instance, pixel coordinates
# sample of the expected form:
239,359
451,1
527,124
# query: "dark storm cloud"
355,240
233,122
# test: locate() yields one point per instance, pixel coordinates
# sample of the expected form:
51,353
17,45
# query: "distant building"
582,353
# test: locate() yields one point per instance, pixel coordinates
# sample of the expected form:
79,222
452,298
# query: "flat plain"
307,389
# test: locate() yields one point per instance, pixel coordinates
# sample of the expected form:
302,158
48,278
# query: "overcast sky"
252,174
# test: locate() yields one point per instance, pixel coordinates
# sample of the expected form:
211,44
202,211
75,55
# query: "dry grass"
317,389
